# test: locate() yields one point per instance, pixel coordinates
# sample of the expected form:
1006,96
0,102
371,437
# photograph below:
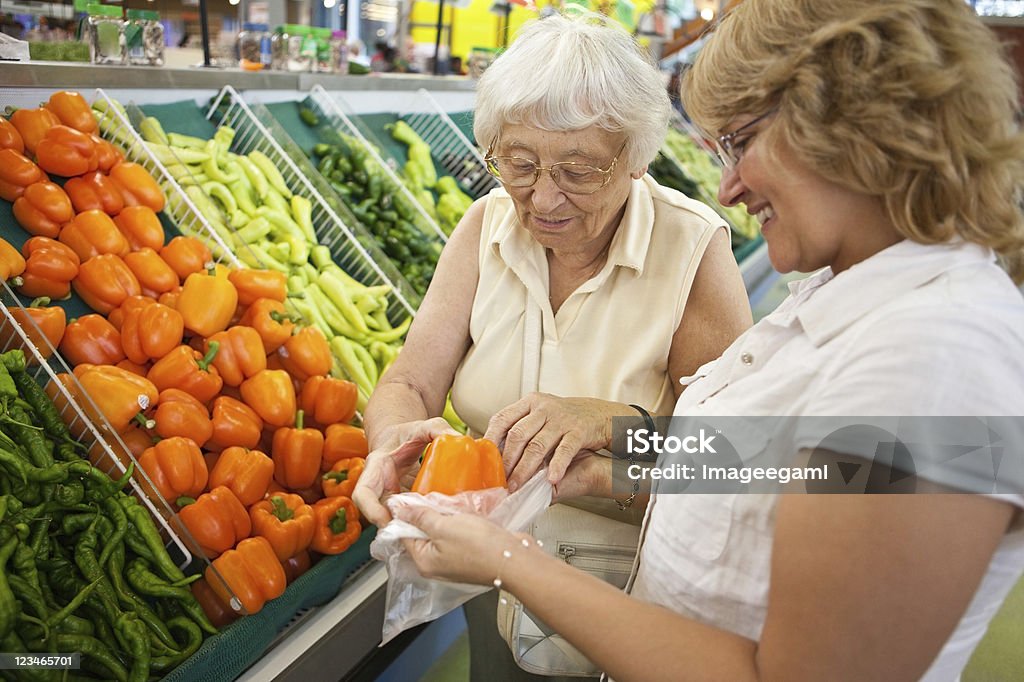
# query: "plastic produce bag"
411,598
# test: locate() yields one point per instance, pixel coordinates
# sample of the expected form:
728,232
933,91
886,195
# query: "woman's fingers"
520,435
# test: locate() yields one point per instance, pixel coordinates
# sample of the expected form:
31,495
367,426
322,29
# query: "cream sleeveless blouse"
611,337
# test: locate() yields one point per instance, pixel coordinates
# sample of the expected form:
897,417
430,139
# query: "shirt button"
747,359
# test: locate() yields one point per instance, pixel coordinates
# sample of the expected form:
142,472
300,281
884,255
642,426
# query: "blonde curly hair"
912,101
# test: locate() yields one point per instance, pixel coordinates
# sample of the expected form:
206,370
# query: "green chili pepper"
74,625
26,594
93,649
57,618
194,638
132,601
150,584
69,492
8,607
147,530
118,518
134,633
7,388
85,559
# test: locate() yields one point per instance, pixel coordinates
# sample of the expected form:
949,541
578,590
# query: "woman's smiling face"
808,222
559,220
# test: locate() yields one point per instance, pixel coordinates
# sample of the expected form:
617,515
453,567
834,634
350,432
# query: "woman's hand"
461,548
541,427
588,474
389,468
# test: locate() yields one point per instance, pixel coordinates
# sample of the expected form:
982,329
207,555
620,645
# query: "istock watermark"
844,455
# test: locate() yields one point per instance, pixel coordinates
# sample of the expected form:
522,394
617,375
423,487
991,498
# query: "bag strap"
532,334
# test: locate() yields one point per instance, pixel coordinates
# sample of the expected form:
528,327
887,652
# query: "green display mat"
226,655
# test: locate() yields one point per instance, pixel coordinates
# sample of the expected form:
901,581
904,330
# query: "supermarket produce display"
204,296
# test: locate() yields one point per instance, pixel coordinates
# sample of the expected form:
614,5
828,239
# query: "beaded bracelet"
505,556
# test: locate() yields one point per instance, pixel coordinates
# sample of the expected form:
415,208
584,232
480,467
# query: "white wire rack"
448,144
341,116
117,126
351,248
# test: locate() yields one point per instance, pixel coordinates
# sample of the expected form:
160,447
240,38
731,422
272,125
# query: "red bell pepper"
93,233
295,566
104,282
66,152
91,339
49,268
43,209
95,191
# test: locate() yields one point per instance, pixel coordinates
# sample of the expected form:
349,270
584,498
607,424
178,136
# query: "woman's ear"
637,174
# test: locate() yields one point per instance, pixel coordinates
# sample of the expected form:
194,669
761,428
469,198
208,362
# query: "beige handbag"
591,534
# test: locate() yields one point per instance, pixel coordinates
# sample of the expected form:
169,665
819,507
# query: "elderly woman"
876,142
579,276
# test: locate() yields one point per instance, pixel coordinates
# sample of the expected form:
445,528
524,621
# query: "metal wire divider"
335,109
84,419
348,251
453,150
117,128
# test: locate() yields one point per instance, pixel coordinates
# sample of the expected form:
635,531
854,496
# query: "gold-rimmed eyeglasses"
569,176
729,149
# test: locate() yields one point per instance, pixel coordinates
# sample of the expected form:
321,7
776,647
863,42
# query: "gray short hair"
569,72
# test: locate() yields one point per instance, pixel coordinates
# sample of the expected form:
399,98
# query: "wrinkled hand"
588,474
461,548
541,428
388,470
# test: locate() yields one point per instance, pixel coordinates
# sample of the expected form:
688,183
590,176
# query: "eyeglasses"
571,177
729,151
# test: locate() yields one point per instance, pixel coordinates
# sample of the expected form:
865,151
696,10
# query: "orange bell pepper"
256,284
286,521
92,233
306,354
66,152
170,298
176,467
179,414
142,228
12,264
186,255
234,424
17,172
49,268
138,186
154,274
250,572
328,400
270,320
240,356
297,453
135,440
246,472
32,125
117,315
95,191
150,332
343,441
271,394
107,155
453,464
119,395
188,369
215,608
72,110
104,282
207,303
295,566
342,478
337,525
38,322
134,367
10,138
91,339
216,520
43,209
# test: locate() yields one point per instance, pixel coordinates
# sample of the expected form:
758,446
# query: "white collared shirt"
916,330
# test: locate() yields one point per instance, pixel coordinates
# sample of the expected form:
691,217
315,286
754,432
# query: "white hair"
570,72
